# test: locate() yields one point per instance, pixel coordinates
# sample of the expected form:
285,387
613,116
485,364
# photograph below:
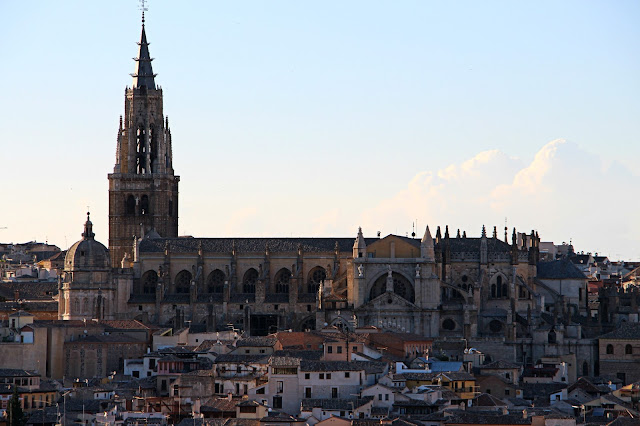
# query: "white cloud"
564,192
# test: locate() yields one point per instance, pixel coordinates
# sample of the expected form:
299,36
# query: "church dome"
87,253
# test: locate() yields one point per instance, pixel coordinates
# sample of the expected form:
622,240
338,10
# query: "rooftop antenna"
413,230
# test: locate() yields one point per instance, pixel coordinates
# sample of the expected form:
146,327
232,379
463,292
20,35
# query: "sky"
300,119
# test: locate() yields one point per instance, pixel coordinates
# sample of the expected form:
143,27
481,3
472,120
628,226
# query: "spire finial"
88,229
143,8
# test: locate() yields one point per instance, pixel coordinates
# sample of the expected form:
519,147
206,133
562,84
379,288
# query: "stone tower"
143,190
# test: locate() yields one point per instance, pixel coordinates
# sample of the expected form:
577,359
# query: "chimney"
229,396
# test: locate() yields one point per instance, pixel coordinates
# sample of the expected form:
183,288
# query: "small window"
279,387
334,392
347,375
355,349
329,349
275,307
328,376
307,376
321,376
628,350
507,392
379,397
386,396
610,349
277,402
339,349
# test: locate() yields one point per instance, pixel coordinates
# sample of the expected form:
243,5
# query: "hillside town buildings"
440,329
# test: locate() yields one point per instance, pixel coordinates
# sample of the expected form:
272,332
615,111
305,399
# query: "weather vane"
143,8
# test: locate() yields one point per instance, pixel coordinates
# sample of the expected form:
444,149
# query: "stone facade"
483,290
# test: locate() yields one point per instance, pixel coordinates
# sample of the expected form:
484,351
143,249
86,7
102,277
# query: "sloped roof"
625,332
248,245
309,404
559,269
500,365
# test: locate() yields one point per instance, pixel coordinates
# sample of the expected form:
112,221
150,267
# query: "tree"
14,410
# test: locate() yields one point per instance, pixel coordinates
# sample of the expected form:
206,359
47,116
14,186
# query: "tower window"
130,205
144,205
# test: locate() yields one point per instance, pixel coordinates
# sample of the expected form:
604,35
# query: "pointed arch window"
153,148
249,281
499,289
316,277
183,282
282,280
215,281
149,281
141,151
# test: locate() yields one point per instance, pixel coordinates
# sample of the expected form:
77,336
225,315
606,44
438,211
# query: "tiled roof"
191,421
487,418
500,365
242,359
108,338
248,245
486,400
309,404
300,353
39,306
415,376
625,332
29,290
17,372
284,361
369,367
559,269
470,245
220,404
257,341
125,324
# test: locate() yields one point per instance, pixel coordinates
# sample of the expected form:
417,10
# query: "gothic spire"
143,76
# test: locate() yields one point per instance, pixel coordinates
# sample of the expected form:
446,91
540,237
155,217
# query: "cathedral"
440,285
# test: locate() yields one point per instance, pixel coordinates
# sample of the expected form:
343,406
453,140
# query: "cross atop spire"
143,76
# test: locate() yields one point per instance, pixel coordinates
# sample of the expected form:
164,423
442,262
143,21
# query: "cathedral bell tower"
143,190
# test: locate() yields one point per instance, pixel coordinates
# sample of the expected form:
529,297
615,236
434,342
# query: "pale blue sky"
299,118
